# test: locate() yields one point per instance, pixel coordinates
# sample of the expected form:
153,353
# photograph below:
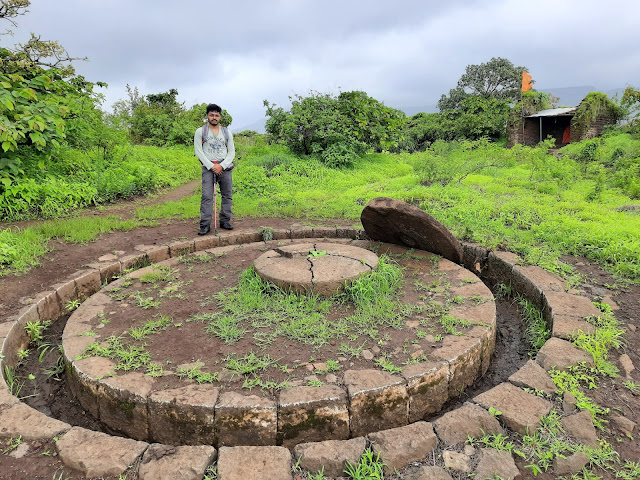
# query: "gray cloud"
404,53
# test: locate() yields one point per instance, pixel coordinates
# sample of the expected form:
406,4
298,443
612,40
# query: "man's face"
213,118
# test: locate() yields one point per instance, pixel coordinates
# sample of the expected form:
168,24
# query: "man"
215,149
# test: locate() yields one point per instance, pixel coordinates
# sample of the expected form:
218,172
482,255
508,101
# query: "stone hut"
566,125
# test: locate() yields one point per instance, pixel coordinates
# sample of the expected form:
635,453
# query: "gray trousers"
206,203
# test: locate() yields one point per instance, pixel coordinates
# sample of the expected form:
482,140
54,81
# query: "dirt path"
65,259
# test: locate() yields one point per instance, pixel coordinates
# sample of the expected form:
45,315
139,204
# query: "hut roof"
555,112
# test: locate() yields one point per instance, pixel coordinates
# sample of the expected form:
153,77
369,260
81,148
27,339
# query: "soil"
40,461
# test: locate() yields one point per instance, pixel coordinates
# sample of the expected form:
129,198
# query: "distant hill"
411,111
257,126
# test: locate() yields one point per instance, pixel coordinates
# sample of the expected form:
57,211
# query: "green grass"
531,203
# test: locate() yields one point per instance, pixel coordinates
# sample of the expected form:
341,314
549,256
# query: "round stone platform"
436,351
319,269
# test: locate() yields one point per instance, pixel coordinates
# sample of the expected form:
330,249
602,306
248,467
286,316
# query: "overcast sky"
405,53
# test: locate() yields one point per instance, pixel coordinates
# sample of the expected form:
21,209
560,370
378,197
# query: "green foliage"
159,119
595,105
370,467
498,78
337,129
474,118
537,331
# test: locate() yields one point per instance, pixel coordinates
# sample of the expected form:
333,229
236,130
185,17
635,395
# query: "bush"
337,129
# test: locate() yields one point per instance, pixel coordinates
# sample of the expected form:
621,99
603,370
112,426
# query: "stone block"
242,463
49,308
568,327
19,419
572,305
427,472
324,232
522,285
281,234
155,253
402,445
88,282
245,420
570,465
580,426
332,455
378,400
108,270
66,292
97,454
75,346
532,375
521,411
561,354
467,421
122,402
205,242
500,266
183,416
134,261
182,247
347,232
496,464
84,378
309,414
164,462
464,355
427,387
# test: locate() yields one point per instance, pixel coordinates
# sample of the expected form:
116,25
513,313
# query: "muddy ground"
40,461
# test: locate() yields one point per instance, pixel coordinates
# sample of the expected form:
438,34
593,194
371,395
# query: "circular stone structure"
408,372
317,268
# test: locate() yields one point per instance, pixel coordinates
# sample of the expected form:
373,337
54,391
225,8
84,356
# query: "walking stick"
215,205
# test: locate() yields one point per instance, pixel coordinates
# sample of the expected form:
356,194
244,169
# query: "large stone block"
84,378
561,354
427,387
49,308
378,400
394,221
183,416
532,375
308,414
331,456
245,420
97,454
123,404
402,445
19,419
88,282
242,463
464,355
521,411
164,462
466,421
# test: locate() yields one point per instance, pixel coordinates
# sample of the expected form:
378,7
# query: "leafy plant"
370,467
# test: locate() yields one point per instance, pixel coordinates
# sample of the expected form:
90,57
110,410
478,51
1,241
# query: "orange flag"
526,81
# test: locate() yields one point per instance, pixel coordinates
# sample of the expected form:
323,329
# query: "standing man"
214,148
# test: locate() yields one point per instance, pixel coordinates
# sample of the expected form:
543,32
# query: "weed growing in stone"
537,332
370,467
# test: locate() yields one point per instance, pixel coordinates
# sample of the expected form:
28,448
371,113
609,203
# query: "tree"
498,78
338,129
159,119
36,99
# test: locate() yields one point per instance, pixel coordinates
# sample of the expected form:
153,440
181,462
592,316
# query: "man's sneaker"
204,230
226,225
